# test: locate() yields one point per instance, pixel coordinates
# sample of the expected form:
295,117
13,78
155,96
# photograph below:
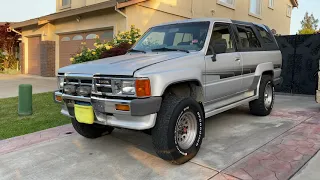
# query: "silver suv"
177,75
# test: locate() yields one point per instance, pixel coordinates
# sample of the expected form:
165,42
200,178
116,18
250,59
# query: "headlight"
60,82
138,87
125,87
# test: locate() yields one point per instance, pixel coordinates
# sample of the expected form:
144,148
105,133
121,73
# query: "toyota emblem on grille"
104,81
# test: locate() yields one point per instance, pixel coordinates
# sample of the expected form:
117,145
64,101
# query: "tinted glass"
247,37
222,35
266,36
186,36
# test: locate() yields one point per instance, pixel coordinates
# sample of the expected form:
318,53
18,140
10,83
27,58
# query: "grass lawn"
46,114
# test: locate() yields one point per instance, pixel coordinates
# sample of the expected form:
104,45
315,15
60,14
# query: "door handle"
238,59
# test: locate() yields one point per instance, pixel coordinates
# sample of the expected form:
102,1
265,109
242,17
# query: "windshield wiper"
135,50
169,49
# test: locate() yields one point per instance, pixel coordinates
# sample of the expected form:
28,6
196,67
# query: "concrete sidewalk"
237,146
311,171
9,84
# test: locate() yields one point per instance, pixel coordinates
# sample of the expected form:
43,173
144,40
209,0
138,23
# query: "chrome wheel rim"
186,130
268,95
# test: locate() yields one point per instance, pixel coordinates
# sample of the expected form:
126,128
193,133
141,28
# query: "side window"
266,36
247,37
221,36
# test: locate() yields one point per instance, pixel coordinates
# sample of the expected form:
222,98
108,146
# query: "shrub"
7,61
118,46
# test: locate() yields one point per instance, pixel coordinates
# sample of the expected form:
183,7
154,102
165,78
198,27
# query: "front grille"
102,85
104,89
84,82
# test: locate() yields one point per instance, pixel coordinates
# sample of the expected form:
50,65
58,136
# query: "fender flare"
263,67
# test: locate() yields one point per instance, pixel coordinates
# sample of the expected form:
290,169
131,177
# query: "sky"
20,10
312,6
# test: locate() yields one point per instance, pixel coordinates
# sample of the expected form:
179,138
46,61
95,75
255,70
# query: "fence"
301,54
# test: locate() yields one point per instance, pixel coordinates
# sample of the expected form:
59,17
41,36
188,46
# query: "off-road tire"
163,134
257,107
91,131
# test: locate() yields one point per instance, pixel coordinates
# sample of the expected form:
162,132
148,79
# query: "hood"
124,65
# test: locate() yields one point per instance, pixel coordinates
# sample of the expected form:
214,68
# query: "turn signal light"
143,88
122,107
58,98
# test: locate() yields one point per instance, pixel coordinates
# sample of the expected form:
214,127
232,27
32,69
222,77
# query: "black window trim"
242,49
232,35
267,30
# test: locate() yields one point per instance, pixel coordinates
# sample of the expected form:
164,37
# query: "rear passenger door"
252,55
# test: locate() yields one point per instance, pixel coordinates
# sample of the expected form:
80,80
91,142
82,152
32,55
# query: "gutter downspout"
16,31
123,14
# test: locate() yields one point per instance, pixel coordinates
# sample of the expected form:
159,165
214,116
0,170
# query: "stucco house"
49,41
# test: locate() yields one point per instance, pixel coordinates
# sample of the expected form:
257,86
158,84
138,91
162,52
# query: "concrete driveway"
237,146
9,84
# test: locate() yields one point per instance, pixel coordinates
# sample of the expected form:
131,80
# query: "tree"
309,24
8,42
8,39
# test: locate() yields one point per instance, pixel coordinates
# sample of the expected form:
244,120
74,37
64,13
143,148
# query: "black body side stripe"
234,73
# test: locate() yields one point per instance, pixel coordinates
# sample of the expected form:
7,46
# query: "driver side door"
223,73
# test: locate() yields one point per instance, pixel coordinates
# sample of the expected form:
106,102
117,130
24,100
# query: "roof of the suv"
211,20
198,20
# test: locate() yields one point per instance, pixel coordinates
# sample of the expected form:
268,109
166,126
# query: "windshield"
184,36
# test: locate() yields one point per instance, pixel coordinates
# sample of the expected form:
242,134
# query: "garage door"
70,44
34,55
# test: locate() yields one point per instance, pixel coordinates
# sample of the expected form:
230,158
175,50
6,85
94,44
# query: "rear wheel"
264,104
91,131
178,133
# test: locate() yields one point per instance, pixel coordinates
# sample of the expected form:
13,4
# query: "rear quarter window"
265,35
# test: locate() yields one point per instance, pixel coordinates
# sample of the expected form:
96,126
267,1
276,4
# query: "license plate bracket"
84,113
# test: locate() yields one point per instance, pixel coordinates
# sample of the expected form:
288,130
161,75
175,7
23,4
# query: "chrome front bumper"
142,114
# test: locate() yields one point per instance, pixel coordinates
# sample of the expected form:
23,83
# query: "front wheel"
264,104
178,133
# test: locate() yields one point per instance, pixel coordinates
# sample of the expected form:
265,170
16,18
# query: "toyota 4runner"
177,75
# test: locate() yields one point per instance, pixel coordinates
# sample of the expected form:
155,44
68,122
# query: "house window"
255,7
227,3
65,39
271,4
77,38
289,10
65,4
92,36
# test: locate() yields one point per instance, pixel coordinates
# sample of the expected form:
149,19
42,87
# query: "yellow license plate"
84,114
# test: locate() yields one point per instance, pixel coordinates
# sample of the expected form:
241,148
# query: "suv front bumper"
142,114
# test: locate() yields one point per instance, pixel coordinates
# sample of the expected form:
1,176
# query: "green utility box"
25,100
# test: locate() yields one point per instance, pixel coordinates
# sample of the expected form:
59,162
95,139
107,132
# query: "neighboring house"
49,41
